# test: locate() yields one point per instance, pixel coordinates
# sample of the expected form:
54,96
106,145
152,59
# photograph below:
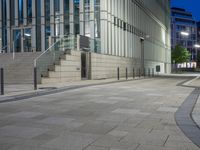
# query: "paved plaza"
132,115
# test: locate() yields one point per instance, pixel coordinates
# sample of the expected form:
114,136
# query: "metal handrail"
3,48
48,49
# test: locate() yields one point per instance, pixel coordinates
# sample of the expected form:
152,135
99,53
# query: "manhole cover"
47,88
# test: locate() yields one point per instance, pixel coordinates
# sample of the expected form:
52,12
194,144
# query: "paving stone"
167,109
71,142
25,114
22,132
134,115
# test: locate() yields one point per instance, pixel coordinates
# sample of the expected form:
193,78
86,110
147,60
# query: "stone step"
73,52
59,80
66,68
70,63
71,58
52,74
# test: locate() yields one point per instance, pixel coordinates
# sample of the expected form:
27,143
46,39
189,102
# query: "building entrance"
21,40
85,65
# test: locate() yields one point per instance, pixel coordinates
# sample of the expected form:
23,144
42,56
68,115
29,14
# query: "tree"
180,54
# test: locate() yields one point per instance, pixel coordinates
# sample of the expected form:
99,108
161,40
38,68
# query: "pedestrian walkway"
17,90
134,115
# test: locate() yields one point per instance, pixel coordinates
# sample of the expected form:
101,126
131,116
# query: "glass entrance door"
22,40
27,40
17,45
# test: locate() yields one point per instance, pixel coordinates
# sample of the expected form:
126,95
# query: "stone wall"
105,66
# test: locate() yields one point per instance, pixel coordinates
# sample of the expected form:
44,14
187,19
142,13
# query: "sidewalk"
134,115
13,91
22,91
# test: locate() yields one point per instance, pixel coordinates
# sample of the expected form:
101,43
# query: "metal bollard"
152,72
126,73
149,72
139,73
144,72
35,78
2,81
133,73
118,77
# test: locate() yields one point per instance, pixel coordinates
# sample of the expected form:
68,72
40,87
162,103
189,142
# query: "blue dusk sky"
190,5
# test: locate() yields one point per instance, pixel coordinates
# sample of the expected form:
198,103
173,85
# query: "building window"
76,17
66,17
29,11
21,11
97,19
47,23
87,17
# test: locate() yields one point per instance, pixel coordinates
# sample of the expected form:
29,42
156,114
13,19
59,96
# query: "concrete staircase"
20,69
68,68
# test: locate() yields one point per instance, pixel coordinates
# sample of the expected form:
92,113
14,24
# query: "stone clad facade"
132,33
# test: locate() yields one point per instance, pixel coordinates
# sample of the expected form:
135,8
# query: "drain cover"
47,88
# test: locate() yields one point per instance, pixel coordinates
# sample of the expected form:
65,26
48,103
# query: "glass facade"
20,6
29,11
116,26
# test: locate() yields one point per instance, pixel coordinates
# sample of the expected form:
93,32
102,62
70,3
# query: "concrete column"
33,30
71,16
92,32
125,16
52,18
109,47
42,25
22,39
1,25
113,27
92,27
9,40
116,28
16,12
62,31
82,17
103,16
24,11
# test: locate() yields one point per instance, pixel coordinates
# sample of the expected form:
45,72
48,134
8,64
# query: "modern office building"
184,30
198,32
121,33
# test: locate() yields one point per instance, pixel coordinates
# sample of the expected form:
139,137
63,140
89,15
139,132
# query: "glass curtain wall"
57,17
97,18
76,17
38,25
20,11
29,11
4,25
47,23
87,17
66,17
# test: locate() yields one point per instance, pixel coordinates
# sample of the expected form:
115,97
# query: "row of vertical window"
127,27
20,8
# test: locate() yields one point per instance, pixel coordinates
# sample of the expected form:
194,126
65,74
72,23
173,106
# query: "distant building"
198,32
184,30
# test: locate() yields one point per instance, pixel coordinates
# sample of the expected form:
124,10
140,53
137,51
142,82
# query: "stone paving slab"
132,119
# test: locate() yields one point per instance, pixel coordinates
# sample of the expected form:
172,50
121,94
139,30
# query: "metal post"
118,73
2,81
35,78
149,72
126,73
139,73
133,73
144,73
152,72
